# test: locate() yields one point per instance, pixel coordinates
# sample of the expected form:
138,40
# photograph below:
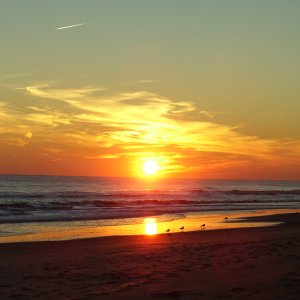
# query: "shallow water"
32,206
86,229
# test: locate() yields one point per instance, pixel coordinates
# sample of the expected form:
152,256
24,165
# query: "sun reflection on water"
150,226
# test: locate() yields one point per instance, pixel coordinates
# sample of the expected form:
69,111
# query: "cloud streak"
70,26
91,123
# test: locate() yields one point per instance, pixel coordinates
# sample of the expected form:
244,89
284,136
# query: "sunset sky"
207,89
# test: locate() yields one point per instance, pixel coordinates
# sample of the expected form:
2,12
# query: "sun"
150,167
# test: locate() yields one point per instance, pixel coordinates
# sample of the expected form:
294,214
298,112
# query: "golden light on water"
150,226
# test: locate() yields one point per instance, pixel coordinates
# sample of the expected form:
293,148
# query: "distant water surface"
31,204
51,198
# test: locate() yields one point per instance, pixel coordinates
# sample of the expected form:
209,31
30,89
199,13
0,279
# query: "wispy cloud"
90,124
14,76
143,81
3,113
28,135
46,91
70,26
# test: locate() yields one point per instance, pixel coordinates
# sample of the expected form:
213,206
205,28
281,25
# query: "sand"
246,263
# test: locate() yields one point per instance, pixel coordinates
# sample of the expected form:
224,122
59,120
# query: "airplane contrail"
70,26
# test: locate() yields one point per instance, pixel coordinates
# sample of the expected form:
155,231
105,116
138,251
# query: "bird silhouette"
203,226
181,228
226,218
168,230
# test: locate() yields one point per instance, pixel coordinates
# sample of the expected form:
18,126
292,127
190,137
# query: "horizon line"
147,178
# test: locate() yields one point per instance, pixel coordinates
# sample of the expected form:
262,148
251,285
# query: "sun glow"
150,167
150,226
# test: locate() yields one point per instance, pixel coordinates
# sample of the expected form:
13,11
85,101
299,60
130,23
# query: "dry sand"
247,263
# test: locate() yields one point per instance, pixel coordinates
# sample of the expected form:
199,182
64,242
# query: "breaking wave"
66,198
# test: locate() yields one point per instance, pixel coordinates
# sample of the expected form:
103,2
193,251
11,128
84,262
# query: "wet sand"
192,221
240,263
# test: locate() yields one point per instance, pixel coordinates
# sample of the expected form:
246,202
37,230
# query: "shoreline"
191,221
271,221
248,263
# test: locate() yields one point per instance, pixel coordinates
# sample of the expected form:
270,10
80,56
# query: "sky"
207,89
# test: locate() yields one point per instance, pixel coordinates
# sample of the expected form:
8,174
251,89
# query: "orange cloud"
85,123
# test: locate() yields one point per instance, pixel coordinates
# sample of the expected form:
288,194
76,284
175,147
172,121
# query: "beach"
150,150
237,263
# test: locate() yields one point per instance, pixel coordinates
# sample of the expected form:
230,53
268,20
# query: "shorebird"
168,230
203,226
226,218
181,228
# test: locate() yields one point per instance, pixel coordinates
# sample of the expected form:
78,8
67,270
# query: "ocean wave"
141,194
136,204
263,192
8,195
64,195
17,205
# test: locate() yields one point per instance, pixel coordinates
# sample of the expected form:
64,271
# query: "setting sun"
150,167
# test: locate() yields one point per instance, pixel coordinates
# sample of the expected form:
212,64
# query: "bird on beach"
181,228
203,226
168,230
226,218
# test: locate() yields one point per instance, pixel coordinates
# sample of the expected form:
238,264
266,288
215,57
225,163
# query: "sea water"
31,204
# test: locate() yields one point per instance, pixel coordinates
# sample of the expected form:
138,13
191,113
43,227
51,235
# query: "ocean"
28,202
